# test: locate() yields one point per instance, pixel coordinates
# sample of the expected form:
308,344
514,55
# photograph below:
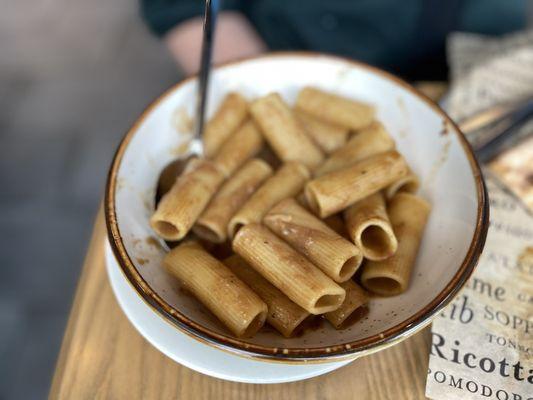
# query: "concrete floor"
73,77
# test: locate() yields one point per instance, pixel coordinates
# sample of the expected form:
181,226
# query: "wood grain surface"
104,357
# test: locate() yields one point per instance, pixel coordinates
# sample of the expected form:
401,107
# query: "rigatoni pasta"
408,214
366,142
283,314
211,282
334,255
184,202
409,184
287,269
338,190
230,114
284,132
213,223
335,109
354,305
245,143
287,181
327,136
287,237
369,227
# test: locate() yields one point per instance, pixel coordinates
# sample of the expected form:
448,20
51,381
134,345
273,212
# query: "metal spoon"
210,19
175,168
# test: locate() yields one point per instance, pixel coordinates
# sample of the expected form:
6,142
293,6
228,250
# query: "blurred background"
74,76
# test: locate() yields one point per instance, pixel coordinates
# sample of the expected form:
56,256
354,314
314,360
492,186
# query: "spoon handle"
210,18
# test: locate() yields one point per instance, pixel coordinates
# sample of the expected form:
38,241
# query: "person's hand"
235,38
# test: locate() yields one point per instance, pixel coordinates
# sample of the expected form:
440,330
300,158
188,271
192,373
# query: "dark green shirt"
404,36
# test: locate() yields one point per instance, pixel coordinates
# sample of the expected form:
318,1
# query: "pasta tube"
354,305
409,184
180,207
288,180
337,190
283,314
284,132
287,269
366,142
241,145
336,256
227,118
335,109
213,223
408,214
369,227
327,136
235,304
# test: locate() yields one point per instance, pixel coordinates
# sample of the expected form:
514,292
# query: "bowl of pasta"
335,211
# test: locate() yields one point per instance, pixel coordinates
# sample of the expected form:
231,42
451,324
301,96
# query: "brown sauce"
152,241
358,315
222,251
183,291
444,130
310,324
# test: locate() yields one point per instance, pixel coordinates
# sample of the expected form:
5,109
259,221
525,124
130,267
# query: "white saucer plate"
198,356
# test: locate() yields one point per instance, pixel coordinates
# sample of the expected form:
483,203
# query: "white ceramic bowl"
430,141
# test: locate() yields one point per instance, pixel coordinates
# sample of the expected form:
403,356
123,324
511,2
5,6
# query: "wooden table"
104,357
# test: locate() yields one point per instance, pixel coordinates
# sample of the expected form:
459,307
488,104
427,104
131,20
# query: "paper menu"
514,168
482,343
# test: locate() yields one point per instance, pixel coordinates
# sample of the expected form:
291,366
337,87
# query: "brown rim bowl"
432,143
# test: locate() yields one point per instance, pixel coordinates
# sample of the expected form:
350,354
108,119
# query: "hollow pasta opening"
384,286
166,229
255,325
328,300
377,243
234,228
349,267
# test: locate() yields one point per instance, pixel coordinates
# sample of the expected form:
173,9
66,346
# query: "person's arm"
180,24
235,38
